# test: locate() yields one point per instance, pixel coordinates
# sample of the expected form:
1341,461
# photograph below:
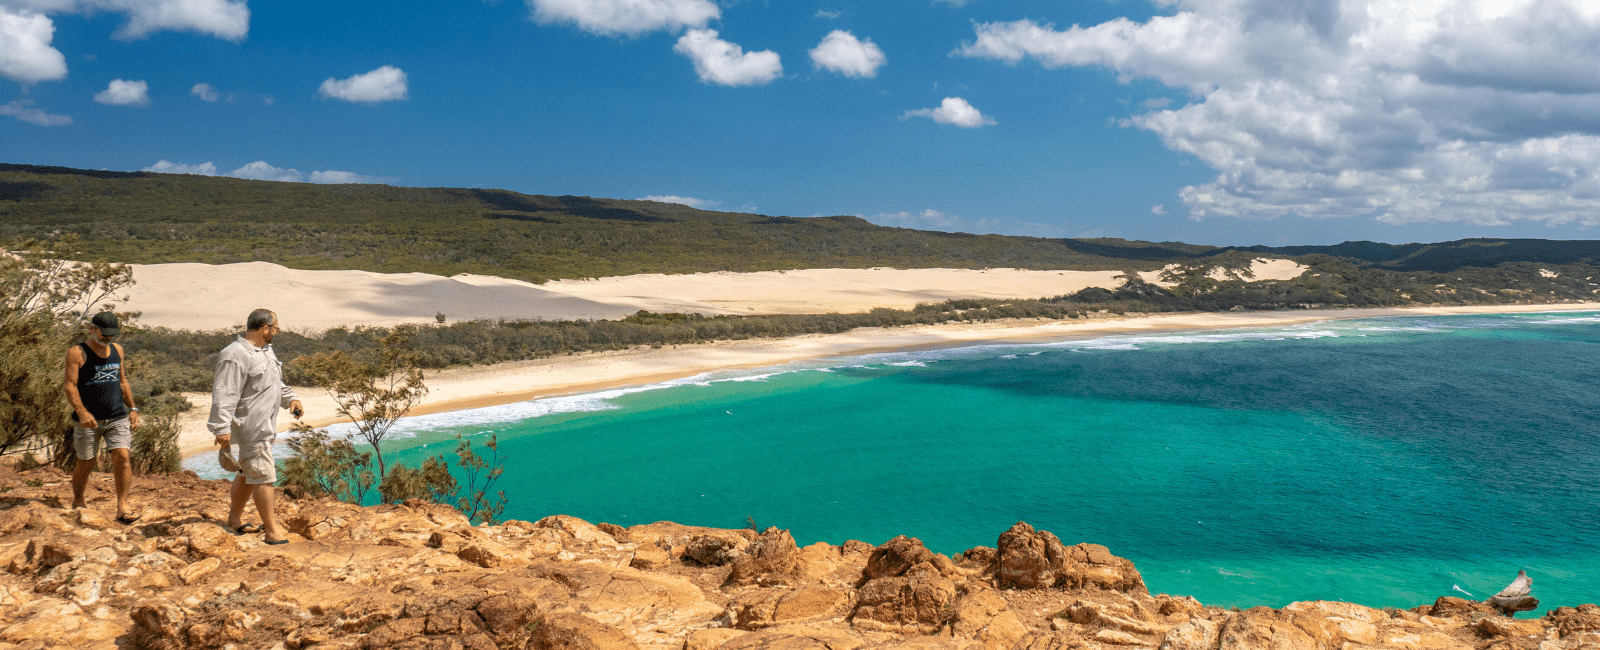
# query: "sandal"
276,542
127,519
247,529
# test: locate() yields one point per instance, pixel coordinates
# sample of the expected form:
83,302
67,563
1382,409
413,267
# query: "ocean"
1383,461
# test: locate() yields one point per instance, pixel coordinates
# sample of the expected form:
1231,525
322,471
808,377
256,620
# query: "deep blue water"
1381,461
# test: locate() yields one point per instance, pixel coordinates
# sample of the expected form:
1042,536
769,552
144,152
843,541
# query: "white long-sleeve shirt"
247,392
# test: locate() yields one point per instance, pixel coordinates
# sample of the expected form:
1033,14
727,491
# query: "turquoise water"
1382,461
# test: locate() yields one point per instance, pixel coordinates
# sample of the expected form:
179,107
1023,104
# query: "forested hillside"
142,217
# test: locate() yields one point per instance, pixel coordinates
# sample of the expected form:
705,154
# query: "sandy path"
464,388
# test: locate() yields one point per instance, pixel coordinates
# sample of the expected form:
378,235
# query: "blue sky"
1207,121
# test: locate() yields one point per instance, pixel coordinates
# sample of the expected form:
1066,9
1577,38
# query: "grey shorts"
116,432
256,464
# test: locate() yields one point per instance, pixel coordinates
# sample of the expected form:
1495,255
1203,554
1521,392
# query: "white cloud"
824,13
953,110
387,83
954,4
26,29
34,115
1158,209
625,17
122,92
685,200
919,220
336,177
720,62
205,91
841,52
261,172
165,167
25,52
1453,110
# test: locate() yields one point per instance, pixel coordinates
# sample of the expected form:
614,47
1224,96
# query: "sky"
1224,122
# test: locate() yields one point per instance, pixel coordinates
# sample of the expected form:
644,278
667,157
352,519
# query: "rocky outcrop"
419,575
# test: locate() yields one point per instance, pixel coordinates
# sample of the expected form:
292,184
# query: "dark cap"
107,322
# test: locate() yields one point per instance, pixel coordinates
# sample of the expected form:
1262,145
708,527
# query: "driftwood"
1516,597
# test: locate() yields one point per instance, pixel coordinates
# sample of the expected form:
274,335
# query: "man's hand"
222,440
87,421
133,419
295,409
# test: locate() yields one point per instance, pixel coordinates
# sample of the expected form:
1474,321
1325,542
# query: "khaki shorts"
256,464
117,433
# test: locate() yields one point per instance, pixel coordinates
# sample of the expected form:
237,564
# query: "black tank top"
100,383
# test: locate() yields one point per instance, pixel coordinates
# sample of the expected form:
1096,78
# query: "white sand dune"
207,297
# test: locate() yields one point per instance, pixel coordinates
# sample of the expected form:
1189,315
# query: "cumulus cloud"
387,83
33,115
723,63
684,200
26,29
954,4
165,167
332,177
919,220
1457,110
1158,209
625,17
122,92
205,91
25,51
824,13
953,110
841,52
260,170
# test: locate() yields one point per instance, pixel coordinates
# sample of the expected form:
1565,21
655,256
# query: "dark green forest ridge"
143,217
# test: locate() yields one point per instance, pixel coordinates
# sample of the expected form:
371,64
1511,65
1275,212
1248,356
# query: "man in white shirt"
246,394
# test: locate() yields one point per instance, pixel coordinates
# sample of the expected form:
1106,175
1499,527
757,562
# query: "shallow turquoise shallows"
1381,461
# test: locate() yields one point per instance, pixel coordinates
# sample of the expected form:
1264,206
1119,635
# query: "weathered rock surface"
419,575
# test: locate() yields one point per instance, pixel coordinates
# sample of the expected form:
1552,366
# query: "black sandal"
276,542
247,529
127,519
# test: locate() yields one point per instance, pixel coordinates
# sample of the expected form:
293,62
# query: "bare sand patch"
207,297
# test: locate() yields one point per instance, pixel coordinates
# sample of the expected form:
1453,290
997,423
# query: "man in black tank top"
102,404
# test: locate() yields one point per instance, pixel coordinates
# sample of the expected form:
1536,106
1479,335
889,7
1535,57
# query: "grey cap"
107,322
225,459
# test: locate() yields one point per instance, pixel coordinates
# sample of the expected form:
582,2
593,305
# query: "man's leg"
122,469
80,480
84,443
240,495
264,497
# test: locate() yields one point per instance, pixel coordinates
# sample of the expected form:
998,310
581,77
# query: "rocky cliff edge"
418,575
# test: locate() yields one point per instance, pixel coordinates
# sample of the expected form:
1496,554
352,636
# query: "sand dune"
206,297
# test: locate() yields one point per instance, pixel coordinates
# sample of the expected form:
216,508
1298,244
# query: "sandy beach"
475,387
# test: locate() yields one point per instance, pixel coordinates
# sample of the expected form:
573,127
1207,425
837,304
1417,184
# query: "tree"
473,501
373,393
322,465
43,298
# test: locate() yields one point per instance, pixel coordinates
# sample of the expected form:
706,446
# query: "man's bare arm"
127,389
73,363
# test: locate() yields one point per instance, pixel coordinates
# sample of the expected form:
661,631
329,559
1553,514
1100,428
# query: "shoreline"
470,387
